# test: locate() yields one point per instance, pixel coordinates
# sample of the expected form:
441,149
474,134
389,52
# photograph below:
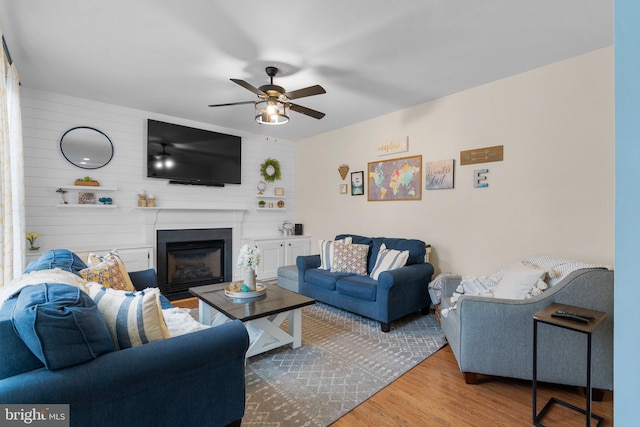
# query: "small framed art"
86,199
357,183
344,188
279,191
439,174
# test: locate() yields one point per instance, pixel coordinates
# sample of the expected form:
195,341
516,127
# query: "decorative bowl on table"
234,290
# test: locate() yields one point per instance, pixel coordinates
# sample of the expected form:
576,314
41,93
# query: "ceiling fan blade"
249,86
307,91
232,103
306,111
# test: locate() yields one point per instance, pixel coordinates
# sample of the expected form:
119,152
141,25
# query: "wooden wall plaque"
482,155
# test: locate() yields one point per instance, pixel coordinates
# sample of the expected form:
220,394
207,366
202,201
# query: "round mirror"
86,147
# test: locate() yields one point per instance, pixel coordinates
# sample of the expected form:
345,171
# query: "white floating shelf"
94,206
88,188
270,197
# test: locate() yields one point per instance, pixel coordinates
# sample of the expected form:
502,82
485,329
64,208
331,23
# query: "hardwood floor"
434,394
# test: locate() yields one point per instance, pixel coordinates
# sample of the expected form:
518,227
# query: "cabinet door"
296,248
134,259
272,252
137,259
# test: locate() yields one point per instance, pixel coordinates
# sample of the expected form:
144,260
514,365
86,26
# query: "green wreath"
273,166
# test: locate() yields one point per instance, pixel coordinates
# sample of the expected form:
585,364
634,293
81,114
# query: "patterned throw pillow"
388,259
326,251
109,271
133,318
349,258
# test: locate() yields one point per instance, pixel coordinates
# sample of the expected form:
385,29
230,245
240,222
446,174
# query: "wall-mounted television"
186,155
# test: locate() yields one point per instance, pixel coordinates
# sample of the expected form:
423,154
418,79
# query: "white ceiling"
373,57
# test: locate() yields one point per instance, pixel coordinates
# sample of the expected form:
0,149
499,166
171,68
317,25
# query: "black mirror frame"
90,128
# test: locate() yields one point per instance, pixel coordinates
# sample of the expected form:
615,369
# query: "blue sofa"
395,294
195,379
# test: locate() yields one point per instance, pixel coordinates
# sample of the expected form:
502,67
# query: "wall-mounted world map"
396,179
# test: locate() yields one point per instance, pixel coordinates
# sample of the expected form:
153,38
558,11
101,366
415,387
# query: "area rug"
344,360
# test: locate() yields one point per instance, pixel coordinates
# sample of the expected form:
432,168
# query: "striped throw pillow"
326,251
388,259
133,318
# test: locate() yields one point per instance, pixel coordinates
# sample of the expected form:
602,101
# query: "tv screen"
186,155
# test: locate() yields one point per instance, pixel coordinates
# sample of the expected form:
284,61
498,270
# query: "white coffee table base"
265,333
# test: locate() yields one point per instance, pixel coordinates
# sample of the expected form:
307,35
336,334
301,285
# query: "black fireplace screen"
194,263
192,257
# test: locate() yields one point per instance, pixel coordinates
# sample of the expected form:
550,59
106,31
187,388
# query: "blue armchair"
494,336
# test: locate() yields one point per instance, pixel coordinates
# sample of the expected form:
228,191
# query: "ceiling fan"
274,102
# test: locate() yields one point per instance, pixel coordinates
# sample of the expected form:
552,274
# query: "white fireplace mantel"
176,218
191,208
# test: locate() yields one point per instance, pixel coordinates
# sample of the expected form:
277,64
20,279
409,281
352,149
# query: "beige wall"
553,193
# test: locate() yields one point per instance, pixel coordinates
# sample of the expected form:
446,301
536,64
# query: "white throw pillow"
133,318
518,281
180,322
388,259
326,251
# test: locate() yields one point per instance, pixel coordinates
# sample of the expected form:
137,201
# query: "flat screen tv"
185,155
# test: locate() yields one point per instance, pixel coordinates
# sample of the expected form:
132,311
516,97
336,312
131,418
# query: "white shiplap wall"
46,116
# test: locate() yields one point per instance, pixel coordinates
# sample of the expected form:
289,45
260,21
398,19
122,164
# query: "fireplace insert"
188,258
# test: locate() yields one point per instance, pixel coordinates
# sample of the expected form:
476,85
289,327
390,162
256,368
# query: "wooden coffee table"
261,315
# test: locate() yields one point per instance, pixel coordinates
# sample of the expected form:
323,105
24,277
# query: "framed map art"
395,179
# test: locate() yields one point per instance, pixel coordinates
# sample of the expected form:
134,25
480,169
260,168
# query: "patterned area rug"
344,360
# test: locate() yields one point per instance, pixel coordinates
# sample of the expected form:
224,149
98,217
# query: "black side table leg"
589,392
535,372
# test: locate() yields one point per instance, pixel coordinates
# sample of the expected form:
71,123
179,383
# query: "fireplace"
192,257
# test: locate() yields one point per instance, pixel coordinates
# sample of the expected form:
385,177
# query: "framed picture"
395,179
357,183
344,188
86,199
279,191
439,175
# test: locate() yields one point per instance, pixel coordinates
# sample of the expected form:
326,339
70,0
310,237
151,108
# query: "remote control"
571,317
586,316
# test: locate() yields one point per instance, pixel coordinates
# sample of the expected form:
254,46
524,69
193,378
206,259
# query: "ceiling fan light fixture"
163,159
272,112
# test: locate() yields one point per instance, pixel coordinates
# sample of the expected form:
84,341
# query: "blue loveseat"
395,294
195,379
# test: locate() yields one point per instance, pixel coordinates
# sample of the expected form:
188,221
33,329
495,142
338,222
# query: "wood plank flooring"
434,394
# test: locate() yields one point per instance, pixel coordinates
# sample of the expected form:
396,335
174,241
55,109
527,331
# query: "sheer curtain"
12,217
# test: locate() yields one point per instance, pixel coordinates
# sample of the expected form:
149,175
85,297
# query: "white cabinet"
273,256
134,258
277,252
295,248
